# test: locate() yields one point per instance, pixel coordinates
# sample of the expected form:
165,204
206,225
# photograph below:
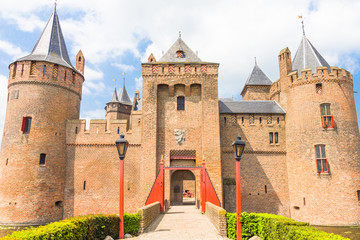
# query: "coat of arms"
179,136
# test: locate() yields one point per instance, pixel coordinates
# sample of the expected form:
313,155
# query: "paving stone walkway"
181,222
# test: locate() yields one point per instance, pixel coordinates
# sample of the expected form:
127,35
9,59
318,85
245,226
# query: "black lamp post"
121,145
239,146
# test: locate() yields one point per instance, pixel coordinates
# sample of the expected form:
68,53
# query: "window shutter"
332,122
323,121
23,124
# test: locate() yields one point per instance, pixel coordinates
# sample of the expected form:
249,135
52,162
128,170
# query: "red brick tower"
180,119
44,91
322,138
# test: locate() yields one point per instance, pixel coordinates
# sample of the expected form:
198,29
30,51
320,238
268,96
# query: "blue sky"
116,36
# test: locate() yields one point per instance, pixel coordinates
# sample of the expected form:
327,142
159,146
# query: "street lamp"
121,145
239,146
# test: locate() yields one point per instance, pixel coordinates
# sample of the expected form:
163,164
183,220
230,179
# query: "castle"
302,139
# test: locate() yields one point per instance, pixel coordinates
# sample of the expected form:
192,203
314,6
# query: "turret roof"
114,97
51,45
308,57
172,54
258,77
124,97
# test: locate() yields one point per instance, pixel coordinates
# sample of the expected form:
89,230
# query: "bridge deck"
181,222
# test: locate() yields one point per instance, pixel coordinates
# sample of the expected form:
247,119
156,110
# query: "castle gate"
208,193
182,188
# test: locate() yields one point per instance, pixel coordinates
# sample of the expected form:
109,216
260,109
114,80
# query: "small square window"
42,159
276,136
181,103
271,138
26,125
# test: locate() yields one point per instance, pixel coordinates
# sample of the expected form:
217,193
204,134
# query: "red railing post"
121,200
238,201
203,188
162,184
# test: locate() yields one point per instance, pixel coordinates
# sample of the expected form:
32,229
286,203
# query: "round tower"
44,90
322,140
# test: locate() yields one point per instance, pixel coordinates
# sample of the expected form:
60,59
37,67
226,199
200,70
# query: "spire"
124,96
51,45
180,52
258,77
308,57
115,97
302,23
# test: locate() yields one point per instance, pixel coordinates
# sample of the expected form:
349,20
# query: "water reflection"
350,232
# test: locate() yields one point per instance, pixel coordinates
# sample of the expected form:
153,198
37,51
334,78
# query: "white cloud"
93,81
138,83
13,51
230,32
124,67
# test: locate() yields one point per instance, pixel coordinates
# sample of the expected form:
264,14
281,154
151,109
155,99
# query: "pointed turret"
258,77
114,97
124,97
51,45
308,57
180,52
256,80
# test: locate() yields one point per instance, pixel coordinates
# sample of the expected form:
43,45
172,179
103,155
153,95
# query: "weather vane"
55,4
302,23
124,78
179,34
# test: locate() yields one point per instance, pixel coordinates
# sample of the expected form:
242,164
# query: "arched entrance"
182,188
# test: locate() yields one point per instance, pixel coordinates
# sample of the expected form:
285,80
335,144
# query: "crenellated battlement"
46,73
322,75
182,68
99,131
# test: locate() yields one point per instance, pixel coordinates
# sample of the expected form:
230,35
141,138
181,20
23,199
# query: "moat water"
350,232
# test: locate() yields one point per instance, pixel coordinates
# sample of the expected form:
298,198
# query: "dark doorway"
182,188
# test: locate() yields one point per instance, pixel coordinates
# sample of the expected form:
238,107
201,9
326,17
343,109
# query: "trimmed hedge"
270,226
90,227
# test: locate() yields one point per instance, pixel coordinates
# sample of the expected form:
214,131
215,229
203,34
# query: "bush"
132,223
90,227
270,226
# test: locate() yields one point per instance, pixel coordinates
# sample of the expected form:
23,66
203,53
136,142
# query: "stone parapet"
217,216
148,214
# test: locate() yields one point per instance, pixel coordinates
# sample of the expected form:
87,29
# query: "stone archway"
179,180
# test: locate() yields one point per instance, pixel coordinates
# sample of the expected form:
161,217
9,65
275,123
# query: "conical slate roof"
308,57
258,77
172,56
114,97
124,97
51,45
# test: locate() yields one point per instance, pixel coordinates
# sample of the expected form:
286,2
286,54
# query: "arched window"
180,103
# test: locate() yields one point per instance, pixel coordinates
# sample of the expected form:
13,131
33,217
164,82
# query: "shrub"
90,227
132,223
270,226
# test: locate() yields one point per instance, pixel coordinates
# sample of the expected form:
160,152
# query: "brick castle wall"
264,181
31,193
322,198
